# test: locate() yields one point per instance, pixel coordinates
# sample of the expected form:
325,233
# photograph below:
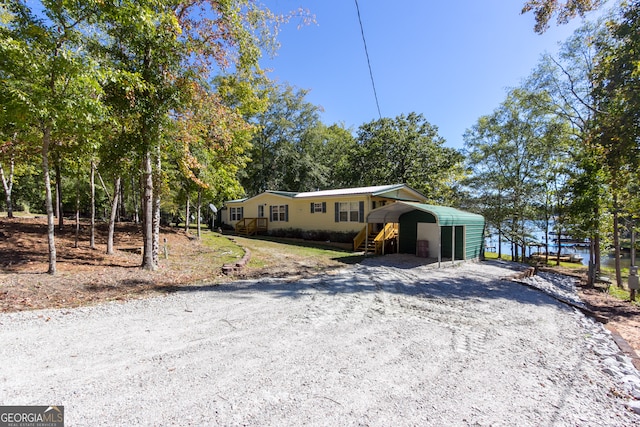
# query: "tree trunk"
199,211
616,241
499,244
7,183
114,213
59,209
75,244
134,193
92,241
596,249
633,258
187,213
147,212
156,210
122,211
46,141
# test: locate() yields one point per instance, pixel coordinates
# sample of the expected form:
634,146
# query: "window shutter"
311,207
324,207
361,211
337,212
286,213
270,213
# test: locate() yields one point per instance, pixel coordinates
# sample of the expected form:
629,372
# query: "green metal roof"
445,216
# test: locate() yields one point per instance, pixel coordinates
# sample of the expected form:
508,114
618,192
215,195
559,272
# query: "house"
337,211
380,219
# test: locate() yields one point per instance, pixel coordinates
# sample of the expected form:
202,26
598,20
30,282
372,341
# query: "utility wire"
375,94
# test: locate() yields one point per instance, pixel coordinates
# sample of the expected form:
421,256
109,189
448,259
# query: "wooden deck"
252,226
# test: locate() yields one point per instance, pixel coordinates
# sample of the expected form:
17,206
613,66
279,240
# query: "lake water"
607,259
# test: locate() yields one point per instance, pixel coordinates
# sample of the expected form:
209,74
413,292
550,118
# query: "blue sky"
452,61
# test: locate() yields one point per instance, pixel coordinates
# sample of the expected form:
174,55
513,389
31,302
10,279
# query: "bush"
314,235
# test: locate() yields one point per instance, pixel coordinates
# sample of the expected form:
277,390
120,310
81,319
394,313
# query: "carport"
433,231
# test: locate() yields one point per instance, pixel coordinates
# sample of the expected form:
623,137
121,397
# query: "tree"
211,144
507,153
617,130
407,150
59,89
568,81
544,10
159,47
282,156
335,148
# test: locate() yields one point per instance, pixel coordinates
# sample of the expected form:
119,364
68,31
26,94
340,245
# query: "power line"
375,94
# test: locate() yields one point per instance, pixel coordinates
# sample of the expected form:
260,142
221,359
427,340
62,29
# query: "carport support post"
453,245
384,236
439,247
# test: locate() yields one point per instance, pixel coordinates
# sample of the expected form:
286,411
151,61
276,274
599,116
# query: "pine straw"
89,276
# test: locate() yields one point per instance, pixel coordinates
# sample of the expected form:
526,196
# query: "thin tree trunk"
114,213
499,244
199,210
596,249
187,213
46,141
616,241
104,187
147,212
136,212
7,183
76,244
92,242
156,210
122,211
59,209
633,258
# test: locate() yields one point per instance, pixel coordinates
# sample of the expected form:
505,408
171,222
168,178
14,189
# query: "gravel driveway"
386,342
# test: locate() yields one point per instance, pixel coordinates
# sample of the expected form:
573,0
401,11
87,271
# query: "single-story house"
433,231
342,210
392,218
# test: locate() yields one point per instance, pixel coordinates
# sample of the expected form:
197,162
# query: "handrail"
249,226
361,236
389,231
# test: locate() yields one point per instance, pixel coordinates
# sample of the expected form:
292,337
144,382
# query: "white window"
318,207
279,213
236,214
349,212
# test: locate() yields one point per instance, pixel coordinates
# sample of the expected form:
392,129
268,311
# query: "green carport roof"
444,215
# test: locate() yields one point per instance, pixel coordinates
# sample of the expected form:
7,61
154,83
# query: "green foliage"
517,154
564,11
406,150
285,152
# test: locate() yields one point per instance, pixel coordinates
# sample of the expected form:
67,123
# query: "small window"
279,213
236,214
318,207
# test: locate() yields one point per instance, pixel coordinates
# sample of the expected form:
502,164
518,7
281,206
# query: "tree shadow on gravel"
445,283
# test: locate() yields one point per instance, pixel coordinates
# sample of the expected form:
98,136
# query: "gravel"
386,342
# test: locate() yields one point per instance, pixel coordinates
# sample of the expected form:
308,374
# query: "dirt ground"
623,316
89,276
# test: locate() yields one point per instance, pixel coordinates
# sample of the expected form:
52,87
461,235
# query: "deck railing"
251,226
